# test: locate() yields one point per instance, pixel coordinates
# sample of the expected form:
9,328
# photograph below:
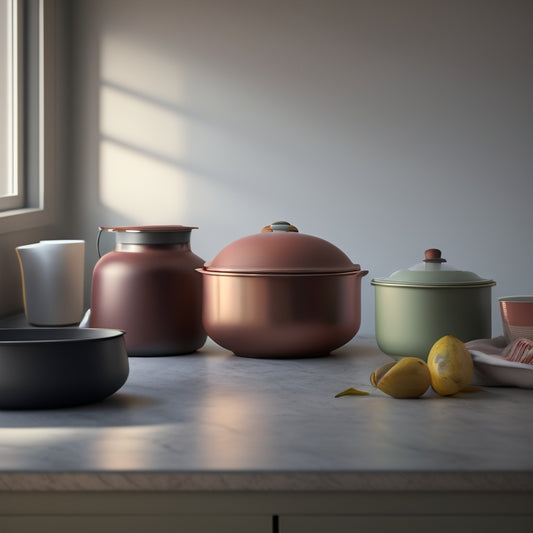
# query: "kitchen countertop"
212,421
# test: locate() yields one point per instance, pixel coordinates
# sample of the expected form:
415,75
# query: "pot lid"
433,272
279,249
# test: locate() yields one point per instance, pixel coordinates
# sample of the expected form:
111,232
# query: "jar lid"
139,229
433,272
176,234
281,249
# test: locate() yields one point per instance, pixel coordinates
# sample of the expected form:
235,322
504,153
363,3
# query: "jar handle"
100,229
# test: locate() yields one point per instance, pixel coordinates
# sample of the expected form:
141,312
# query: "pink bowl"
517,317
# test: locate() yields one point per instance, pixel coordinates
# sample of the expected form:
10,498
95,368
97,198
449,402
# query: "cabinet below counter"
264,512
211,441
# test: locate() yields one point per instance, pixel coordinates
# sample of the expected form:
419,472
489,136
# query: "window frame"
35,159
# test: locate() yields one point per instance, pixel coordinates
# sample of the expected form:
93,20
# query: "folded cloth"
491,369
520,350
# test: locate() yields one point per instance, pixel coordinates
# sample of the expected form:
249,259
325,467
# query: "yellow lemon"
407,378
450,365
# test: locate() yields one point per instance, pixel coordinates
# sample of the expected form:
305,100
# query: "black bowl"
60,367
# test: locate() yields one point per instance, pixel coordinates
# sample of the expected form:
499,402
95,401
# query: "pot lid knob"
433,255
280,225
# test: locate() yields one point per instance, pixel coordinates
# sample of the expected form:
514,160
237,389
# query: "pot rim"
56,335
310,274
383,282
518,299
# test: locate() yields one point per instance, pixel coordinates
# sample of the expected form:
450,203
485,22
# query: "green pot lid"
434,272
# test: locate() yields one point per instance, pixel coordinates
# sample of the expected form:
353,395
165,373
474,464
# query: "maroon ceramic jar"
149,288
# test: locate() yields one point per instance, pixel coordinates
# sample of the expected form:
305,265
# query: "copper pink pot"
280,294
148,287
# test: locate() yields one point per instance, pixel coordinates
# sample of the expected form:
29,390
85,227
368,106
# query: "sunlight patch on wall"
141,124
138,186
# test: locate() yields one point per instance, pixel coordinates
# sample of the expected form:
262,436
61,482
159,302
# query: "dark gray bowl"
60,367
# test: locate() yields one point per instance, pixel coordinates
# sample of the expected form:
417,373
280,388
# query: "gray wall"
384,126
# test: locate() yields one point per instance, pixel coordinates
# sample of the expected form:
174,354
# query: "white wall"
384,126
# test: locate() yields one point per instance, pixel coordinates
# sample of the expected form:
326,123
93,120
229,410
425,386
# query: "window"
26,113
11,190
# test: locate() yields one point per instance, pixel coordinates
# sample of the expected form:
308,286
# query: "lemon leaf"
352,392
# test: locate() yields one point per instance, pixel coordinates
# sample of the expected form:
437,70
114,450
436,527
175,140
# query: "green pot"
417,306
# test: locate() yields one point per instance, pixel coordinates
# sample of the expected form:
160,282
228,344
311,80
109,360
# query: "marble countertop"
214,421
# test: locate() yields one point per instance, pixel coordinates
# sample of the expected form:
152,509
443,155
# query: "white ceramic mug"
52,281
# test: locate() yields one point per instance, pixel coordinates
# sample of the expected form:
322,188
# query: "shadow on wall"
148,173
